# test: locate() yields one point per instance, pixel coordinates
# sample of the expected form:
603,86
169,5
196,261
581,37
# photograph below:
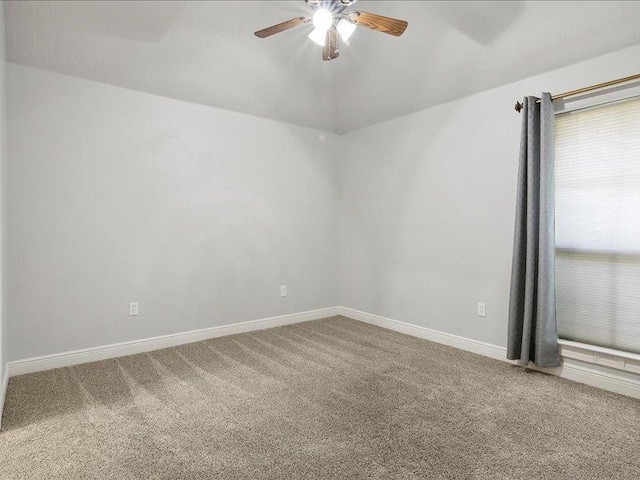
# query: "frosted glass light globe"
319,36
346,29
322,19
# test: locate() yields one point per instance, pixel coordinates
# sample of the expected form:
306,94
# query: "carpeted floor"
333,398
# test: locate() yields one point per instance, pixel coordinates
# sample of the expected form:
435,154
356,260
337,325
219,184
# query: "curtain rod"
590,88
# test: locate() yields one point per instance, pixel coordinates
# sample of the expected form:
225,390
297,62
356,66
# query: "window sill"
606,357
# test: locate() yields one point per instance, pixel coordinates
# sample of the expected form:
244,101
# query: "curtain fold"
533,333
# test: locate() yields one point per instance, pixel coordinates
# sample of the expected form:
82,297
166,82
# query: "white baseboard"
475,346
604,378
596,376
3,391
624,383
58,360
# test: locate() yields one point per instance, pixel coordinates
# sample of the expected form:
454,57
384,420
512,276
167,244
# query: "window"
598,225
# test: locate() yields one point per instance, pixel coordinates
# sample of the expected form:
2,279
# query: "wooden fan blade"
281,27
331,48
389,25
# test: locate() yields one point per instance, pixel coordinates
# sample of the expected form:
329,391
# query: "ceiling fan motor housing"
330,4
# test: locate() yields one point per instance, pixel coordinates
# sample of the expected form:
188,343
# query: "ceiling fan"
330,20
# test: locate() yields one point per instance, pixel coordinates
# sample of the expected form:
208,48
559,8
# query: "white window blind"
598,225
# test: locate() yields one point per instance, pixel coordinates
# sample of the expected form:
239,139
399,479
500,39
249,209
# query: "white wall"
4,337
427,204
198,214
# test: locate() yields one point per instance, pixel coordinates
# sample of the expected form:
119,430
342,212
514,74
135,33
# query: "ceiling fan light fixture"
322,19
332,23
319,36
346,29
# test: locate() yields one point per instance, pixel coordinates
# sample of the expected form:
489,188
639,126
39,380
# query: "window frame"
594,354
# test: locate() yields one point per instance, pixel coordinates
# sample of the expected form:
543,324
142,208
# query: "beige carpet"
332,398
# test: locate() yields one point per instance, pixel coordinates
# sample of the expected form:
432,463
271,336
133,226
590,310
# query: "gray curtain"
533,333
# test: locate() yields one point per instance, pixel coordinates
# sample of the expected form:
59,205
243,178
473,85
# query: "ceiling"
205,52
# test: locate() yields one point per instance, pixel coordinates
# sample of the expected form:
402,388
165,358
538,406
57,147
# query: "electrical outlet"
133,309
283,290
482,310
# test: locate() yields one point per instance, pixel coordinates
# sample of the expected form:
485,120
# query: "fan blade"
331,48
389,25
281,27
